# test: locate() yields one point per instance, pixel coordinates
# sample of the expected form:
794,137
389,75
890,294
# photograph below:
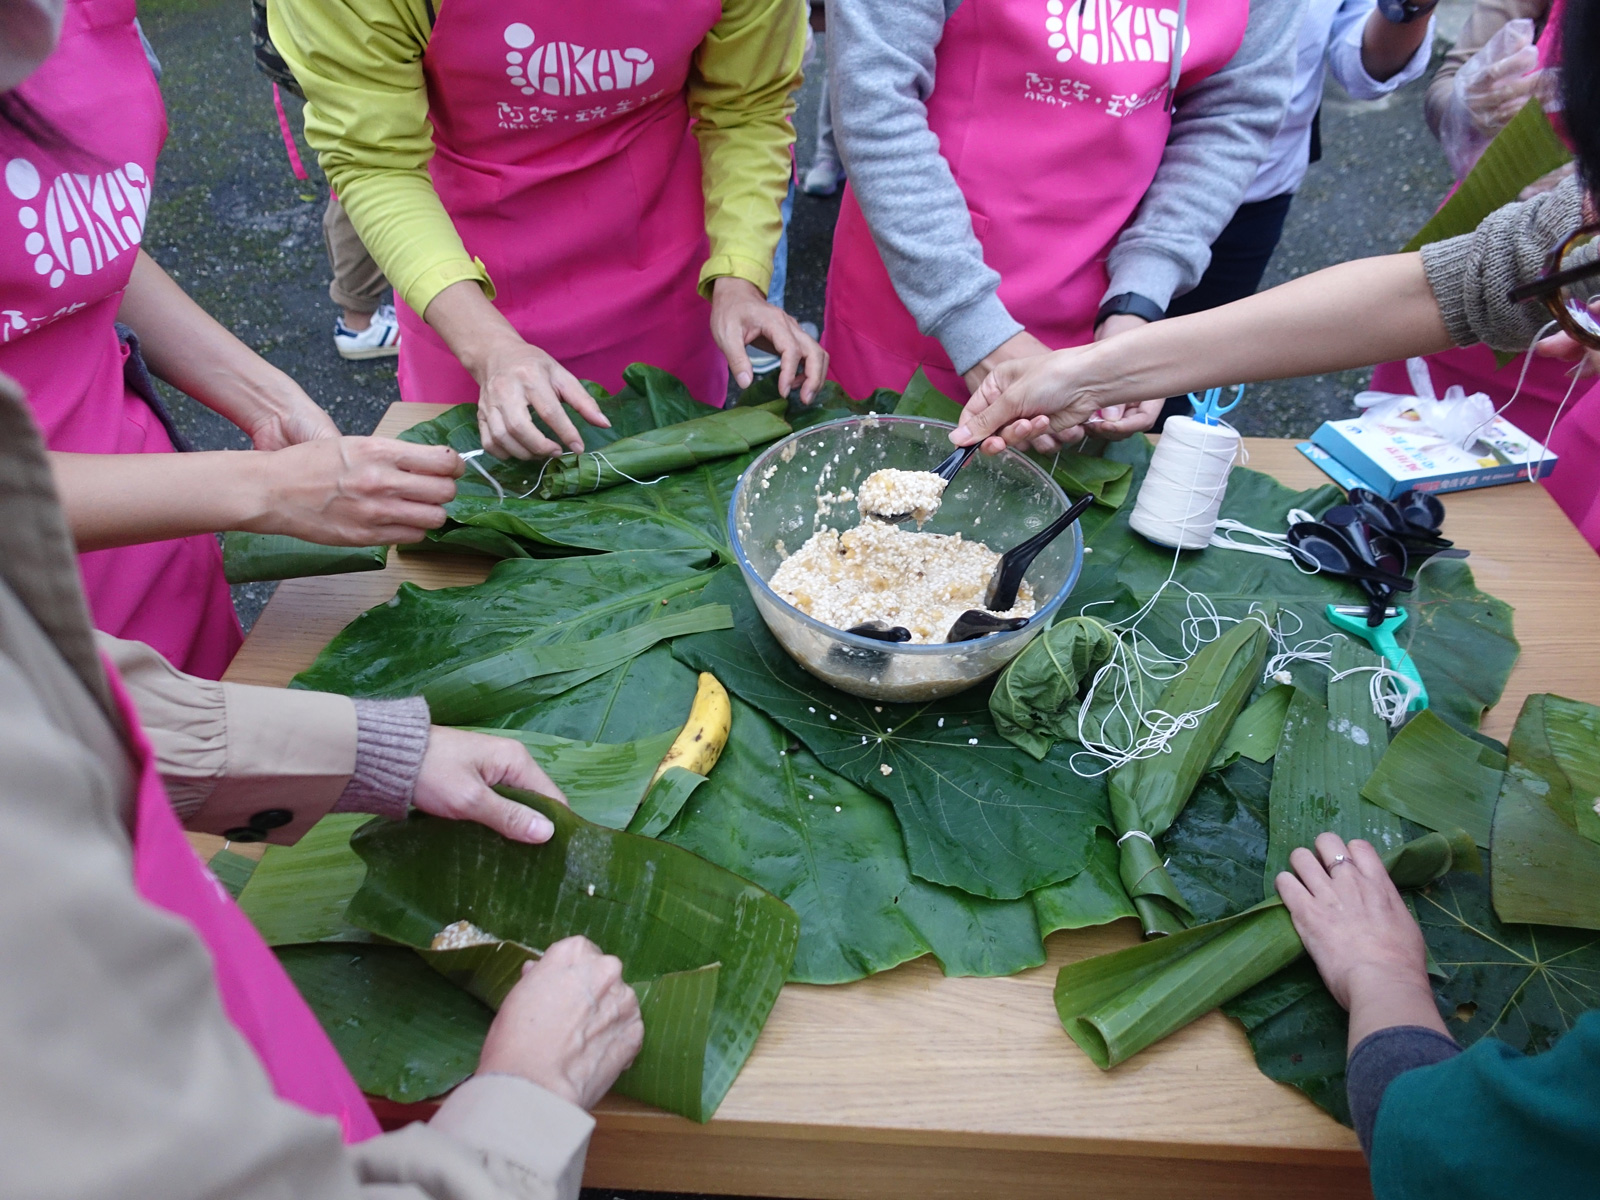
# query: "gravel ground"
234,226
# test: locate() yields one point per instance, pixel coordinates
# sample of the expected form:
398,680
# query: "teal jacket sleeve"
1494,1123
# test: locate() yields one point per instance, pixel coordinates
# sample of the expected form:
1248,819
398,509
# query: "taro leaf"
1256,732
399,647
403,1030
1148,794
775,815
1075,472
1438,778
1525,149
976,812
650,695
604,781
1035,701
1094,896
1217,845
1324,757
644,457
1460,637
661,910
258,557
299,893
1543,869
1117,1004
1299,1035
665,801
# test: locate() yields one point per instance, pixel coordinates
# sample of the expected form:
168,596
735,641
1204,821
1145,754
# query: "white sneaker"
823,177
381,339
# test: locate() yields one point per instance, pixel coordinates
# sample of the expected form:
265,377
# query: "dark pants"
1239,259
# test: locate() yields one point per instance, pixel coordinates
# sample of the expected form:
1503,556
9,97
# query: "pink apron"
1475,368
565,158
1053,122
71,218
257,995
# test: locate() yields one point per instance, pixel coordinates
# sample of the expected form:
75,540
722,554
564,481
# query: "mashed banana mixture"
893,493
881,572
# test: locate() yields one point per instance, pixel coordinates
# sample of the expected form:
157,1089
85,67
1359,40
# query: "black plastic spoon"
945,471
1014,563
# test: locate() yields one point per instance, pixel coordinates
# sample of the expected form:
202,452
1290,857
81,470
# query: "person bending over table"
1493,286
1434,1121
1027,175
154,1047
81,124
557,190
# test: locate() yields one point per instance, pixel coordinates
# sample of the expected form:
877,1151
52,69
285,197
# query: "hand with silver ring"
1358,931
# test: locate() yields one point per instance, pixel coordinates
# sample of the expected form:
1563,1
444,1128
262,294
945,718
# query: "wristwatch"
1403,12
1133,304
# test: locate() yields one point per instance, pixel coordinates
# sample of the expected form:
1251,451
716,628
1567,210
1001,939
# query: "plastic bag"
1491,87
1457,419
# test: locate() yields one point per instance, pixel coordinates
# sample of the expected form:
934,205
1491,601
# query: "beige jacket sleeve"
1486,19
229,752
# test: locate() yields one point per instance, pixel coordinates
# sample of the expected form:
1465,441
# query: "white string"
1138,833
1171,511
471,459
1274,545
1533,468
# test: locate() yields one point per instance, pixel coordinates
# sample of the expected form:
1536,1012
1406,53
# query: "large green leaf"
258,557
403,1031
401,647
1545,868
299,893
1117,1004
1526,149
1324,757
1036,700
1438,778
647,696
658,908
1218,844
976,812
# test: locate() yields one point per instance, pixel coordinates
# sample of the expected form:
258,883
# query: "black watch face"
1398,11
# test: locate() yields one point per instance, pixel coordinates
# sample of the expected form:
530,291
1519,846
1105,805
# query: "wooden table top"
911,1084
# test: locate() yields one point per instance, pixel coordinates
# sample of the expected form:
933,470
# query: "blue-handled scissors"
1208,411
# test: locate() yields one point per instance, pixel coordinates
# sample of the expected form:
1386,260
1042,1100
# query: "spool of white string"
1183,489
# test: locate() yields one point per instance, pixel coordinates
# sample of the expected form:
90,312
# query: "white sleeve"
1344,54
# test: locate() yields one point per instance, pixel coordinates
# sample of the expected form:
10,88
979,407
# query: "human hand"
291,417
1565,348
1360,934
1499,92
350,491
514,377
1039,401
461,769
1549,181
1020,345
570,1024
740,315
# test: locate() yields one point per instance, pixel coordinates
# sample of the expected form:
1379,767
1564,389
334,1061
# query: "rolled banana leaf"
1324,757
1116,1005
1438,778
1545,862
263,557
713,949
646,456
1148,794
1035,701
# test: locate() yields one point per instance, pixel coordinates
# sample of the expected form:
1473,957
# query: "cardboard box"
1396,455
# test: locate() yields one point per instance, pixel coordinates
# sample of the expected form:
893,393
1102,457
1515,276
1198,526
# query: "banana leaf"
1148,794
1545,864
1256,733
1077,473
1526,149
665,801
1325,756
400,647
1035,701
643,457
1117,1004
261,557
232,870
976,812
1438,778
403,1030
299,893
604,782
660,909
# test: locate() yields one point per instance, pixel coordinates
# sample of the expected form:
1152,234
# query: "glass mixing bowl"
1000,501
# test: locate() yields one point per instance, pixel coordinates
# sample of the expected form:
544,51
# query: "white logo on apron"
566,69
1110,31
87,220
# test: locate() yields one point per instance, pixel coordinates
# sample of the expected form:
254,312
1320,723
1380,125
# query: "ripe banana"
700,744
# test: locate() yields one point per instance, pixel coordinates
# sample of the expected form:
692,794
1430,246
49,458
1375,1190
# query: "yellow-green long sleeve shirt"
359,63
